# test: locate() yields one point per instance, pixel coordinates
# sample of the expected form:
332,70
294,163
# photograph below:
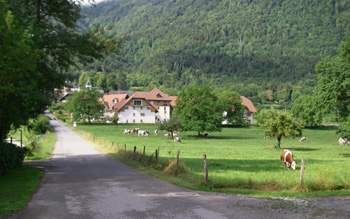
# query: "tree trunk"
278,142
199,133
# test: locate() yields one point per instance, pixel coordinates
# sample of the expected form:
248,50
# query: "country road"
80,182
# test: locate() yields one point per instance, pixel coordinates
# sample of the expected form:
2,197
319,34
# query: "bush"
11,157
40,125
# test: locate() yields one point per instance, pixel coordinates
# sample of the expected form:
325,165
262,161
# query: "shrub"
40,125
11,157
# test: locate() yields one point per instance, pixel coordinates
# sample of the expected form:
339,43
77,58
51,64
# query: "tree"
198,109
170,125
282,125
85,105
305,109
232,105
39,42
333,83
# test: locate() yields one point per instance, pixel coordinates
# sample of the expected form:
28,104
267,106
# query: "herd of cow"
286,156
146,133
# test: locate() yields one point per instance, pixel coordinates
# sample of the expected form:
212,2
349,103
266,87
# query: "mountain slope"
174,42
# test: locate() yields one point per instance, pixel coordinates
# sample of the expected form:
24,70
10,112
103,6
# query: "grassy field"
240,158
17,187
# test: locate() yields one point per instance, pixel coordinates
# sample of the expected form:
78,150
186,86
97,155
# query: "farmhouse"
140,107
248,111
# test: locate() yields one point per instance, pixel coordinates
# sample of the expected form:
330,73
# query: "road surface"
80,182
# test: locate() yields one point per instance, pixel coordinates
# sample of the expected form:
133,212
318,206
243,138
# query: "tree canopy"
198,109
39,42
333,87
85,105
282,125
232,107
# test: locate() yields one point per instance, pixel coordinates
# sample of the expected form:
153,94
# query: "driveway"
80,182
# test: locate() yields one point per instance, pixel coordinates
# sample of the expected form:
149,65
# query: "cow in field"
343,141
143,133
287,159
135,130
167,134
127,131
156,132
302,139
177,139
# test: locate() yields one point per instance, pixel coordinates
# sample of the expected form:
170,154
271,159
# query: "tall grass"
240,158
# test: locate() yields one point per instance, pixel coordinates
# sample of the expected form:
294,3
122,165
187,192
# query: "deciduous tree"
282,125
232,105
199,109
85,105
39,41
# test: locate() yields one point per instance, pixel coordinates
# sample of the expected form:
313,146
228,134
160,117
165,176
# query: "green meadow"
241,159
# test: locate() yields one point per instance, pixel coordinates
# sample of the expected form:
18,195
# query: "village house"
248,111
140,107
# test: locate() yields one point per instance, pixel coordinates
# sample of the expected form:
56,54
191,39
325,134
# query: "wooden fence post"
205,168
144,150
302,171
134,150
156,154
177,157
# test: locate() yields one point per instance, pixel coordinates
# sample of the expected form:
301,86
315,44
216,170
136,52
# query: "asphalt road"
80,182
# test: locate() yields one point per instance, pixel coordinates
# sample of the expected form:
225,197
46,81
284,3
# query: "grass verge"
17,187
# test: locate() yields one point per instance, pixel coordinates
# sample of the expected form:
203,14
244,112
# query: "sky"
86,2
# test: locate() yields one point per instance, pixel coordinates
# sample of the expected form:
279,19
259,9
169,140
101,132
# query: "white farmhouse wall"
133,115
163,113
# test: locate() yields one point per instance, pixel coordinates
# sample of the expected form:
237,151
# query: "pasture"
240,158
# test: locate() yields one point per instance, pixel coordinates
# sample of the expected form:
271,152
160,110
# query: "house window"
158,101
127,107
137,102
142,114
141,107
164,108
133,107
148,108
133,114
141,121
133,120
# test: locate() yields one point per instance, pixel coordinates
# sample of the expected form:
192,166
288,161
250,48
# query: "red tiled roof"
246,102
108,99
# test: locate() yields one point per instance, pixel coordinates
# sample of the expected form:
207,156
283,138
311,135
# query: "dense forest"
265,50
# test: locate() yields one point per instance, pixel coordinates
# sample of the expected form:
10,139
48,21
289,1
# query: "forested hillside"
266,50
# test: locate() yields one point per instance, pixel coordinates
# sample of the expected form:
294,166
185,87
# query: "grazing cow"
177,139
126,131
167,134
343,141
143,133
302,139
135,130
156,132
287,159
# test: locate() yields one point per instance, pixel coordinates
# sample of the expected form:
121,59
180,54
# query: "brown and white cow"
343,141
156,132
302,139
287,159
177,139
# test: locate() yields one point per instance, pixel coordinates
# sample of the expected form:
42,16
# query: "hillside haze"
220,42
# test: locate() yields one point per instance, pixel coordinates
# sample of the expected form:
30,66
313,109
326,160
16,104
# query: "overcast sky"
86,2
